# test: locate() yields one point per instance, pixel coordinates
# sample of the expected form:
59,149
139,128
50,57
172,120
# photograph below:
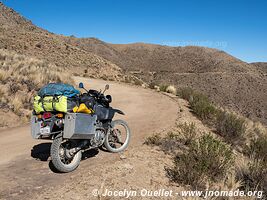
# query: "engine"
98,138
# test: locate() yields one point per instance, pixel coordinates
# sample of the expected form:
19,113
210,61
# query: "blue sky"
238,27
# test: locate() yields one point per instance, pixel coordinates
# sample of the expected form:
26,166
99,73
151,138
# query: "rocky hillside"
228,81
20,35
261,66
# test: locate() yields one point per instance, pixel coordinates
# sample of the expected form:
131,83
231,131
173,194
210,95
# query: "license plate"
45,130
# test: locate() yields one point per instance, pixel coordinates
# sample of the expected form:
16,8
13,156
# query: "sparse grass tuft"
171,89
253,174
17,104
21,76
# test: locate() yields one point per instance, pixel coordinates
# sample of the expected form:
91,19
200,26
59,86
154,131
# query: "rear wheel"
62,158
118,138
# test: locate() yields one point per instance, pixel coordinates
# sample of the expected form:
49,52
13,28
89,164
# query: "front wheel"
62,158
118,137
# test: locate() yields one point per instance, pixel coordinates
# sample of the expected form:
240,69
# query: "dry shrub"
199,103
231,127
187,132
153,140
207,160
163,88
138,82
254,174
202,107
152,85
171,143
228,183
174,140
185,93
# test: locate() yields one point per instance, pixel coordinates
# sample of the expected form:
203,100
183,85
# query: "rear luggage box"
79,126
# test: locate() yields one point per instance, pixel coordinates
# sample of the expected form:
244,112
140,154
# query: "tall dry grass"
21,77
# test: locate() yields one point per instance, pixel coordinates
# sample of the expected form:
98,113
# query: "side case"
35,127
79,126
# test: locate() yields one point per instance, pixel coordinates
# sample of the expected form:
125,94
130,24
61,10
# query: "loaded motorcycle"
89,126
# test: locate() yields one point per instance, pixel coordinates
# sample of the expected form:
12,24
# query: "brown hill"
229,81
20,35
261,66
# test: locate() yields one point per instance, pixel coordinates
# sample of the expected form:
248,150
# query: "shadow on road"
89,153
41,151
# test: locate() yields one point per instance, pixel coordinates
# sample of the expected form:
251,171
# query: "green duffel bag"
53,103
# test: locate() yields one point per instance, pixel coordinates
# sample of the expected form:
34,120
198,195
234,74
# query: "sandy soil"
27,173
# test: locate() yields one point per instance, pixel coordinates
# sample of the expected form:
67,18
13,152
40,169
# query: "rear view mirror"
81,85
107,87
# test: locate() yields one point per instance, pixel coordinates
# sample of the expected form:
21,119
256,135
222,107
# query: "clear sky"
238,27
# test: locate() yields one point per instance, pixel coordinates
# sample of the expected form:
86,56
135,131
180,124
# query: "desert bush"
185,93
199,103
171,143
188,132
257,148
163,88
202,107
138,82
231,127
174,140
152,85
255,176
153,140
207,160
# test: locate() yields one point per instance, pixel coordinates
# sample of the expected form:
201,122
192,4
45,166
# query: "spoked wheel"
118,137
62,157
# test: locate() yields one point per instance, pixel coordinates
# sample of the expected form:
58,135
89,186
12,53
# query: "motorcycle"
73,133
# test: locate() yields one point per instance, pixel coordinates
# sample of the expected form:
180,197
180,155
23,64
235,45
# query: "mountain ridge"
228,81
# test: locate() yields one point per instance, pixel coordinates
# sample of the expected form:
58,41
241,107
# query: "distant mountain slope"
229,81
261,66
20,35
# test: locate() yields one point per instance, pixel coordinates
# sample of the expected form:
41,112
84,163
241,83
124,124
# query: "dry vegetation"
21,76
227,80
232,156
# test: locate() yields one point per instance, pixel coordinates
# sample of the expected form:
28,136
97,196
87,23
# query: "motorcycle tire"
125,144
57,159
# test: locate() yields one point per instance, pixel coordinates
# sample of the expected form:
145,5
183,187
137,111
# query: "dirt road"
25,165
